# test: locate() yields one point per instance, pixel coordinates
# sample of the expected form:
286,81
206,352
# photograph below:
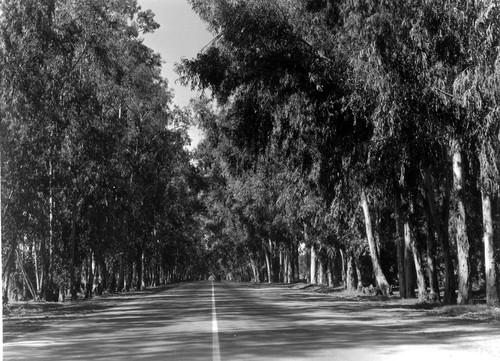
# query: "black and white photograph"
250,180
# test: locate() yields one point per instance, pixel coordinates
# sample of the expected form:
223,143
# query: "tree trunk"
27,281
281,275
417,260
358,273
313,266
321,273
350,275
255,270
441,227
492,296
463,247
329,271
268,266
6,271
379,275
95,272
343,259
38,270
410,267
51,221
120,286
142,279
296,273
431,263
89,284
289,265
73,281
400,251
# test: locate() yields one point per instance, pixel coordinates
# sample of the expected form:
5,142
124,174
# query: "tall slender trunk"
400,250
409,262
377,269
431,262
120,286
51,220
289,265
351,278
329,273
417,260
7,270
255,270
343,259
285,265
27,281
321,270
492,290
296,269
143,268
281,275
268,266
73,282
38,270
358,273
440,223
462,240
313,266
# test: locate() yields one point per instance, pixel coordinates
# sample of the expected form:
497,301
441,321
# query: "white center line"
215,330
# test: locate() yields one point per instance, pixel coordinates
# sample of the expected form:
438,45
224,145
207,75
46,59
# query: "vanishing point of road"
236,321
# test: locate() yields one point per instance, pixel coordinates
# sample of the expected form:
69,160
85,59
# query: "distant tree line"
358,129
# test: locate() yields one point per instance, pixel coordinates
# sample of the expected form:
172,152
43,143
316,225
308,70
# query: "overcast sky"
181,34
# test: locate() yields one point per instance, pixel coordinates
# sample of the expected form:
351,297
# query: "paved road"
255,324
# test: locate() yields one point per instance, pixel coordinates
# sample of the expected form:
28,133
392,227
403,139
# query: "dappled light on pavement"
257,323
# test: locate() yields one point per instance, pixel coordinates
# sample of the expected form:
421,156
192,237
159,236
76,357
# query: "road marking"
215,330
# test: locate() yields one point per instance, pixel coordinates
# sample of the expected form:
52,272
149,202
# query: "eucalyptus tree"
476,89
283,91
98,168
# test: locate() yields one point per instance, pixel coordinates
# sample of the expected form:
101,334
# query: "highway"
237,321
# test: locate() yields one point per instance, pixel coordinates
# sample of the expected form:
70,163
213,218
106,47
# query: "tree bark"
6,271
289,265
431,262
313,266
409,262
142,277
441,227
350,275
343,259
321,273
492,290
358,273
27,281
120,286
255,270
73,281
268,266
296,272
400,249
329,272
417,260
379,275
281,275
462,240
38,271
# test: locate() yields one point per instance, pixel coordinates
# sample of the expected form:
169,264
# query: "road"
247,323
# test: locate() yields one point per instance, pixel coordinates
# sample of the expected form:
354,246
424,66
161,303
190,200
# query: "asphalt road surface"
232,321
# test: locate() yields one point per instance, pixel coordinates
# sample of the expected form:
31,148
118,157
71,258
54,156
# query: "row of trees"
354,127
98,192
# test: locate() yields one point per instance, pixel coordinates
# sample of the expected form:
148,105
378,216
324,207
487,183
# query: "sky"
182,34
